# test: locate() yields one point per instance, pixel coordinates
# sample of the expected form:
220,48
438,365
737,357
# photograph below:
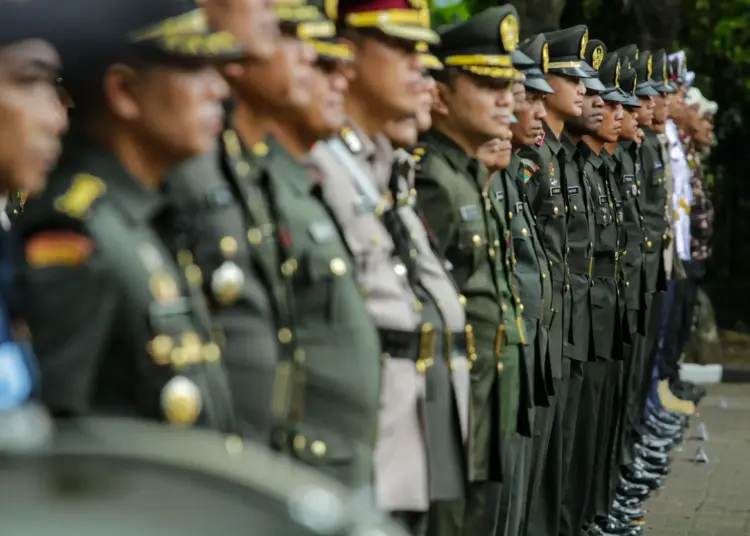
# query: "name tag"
658,165
15,377
321,231
602,199
469,212
627,178
573,190
499,195
519,207
555,190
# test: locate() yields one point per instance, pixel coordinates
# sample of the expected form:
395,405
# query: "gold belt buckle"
499,340
426,348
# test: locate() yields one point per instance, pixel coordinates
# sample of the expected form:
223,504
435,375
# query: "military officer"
469,224
544,164
239,286
32,121
532,277
419,456
117,326
201,482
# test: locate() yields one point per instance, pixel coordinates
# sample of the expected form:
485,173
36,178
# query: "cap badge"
545,58
617,74
650,67
636,53
584,43
664,72
331,8
635,83
597,57
509,33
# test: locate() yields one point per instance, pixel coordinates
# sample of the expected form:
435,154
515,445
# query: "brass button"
160,348
524,231
299,442
503,307
418,305
299,356
255,236
260,148
462,300
421,366
556,210
491,252
228,246
520,307
194,275
575,208
233,444
338,266
400,270
500,367
285,335
211,352
544,275
649,243
242,168
318,448
289,267
184,257
476,240
178,358
510,215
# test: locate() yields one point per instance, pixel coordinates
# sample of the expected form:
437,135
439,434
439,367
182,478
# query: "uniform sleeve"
434,203
63,294
533,177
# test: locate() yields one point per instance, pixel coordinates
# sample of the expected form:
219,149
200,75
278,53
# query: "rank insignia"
83,191
540,139
351,139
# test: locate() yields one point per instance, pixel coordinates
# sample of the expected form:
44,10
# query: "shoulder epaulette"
529,168
417,153
84,190
351,139
540,139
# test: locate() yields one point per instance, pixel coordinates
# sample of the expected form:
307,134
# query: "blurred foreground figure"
31,119
110,474
118,327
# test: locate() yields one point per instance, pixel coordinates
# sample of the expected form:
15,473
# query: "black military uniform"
470,227
117,326
122,476
546,188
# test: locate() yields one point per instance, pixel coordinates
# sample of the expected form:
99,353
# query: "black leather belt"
604,267
425,343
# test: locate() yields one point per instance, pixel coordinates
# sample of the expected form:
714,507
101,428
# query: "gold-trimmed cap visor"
292,12
332,51
502,73
406,24
187,37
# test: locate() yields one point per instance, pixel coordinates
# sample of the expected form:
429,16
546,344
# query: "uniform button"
418,305
285,335
338,266
556,211
491,253
181,401
575,208
299,356
184,258
375,240
421,366
476,240
627,283
550,262
510,215
400,270
544,275
521,307
649,243
242,168
318,448
160,348
462,300
211,352
228,246
500,367
194,275
233,444
524,231
289,267
496,243
504,307
255,236
299,443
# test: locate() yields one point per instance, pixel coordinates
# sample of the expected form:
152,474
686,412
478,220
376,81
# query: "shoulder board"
417,153
351,139
529,168
83,191
57,248
540,139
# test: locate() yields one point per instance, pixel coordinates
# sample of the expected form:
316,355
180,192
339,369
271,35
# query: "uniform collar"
449,148
552,141
279,162
136,201
589,155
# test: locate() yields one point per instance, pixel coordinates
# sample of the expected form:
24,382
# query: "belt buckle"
426,348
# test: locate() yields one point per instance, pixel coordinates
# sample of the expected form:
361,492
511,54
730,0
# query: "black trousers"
655,303
546,478
633,372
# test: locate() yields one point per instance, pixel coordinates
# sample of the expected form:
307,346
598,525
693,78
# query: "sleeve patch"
84,190
529,168
56,248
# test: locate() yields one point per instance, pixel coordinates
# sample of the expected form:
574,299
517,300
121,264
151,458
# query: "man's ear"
121,85
442,97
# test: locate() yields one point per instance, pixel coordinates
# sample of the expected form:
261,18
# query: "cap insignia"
636,53
664,72
635,83
650,67
617,74
509,33
584,43
331,8
597,57
545,58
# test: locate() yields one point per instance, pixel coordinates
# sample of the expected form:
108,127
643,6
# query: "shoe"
648,455
613,526
627,513
640,463
661,430
628,502
657,444
670,402
631,489
643,478
667,418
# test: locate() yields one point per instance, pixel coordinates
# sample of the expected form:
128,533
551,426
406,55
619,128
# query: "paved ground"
710,499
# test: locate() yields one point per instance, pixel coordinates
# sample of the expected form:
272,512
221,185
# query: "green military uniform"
101,475
471,232
118,326
330,403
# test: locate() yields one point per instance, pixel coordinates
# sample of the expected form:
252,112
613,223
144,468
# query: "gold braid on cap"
509,33
584,43
545,58
597,57
331,9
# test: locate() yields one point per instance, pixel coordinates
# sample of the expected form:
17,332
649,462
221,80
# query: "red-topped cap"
402,19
